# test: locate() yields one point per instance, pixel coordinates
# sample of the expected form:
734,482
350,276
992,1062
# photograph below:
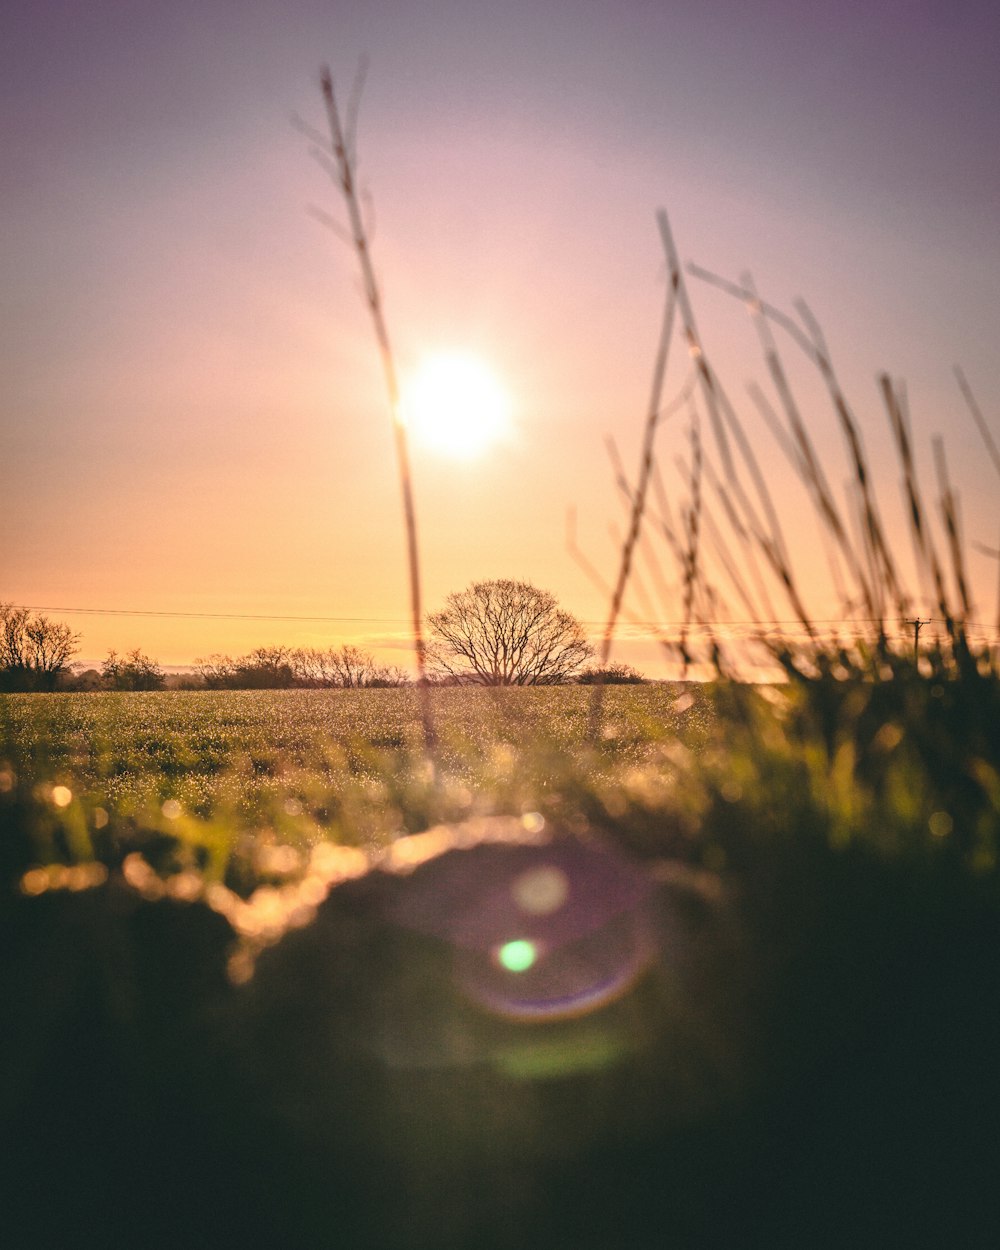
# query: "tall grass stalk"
727,518
345,174
674,282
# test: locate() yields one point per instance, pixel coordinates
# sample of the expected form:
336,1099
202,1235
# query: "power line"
399,620
214,616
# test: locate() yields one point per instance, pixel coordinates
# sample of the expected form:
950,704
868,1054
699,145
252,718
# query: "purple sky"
192,415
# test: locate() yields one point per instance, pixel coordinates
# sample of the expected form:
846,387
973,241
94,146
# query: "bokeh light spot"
517,956
941,824
541,891
35,881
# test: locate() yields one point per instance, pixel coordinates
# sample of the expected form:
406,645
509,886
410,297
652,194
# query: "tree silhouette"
279,668
506,633
134,671
34,650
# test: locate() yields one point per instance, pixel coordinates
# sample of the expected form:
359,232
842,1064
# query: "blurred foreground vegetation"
208,768
216,1032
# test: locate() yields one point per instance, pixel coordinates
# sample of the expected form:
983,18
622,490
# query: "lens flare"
541,891
550,930
517,956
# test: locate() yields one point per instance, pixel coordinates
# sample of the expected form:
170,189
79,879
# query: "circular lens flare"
517,956
537,930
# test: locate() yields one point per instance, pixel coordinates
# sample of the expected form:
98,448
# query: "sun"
454,404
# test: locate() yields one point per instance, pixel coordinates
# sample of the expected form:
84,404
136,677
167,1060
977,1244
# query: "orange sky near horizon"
195,422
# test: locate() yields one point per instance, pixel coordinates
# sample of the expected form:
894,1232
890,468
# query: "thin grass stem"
345,172
977,416
639,499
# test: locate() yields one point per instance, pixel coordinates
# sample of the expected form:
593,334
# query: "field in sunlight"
341,765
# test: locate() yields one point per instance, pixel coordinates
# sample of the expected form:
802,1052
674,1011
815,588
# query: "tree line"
36,654
494,633
346,667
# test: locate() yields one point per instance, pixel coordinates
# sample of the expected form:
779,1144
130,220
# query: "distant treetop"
506,633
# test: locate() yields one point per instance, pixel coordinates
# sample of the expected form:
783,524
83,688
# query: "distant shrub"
134,671
346,667
612,675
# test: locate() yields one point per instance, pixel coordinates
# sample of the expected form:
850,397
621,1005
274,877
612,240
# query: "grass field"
345,766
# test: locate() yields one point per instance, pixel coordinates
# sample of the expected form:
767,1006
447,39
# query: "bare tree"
343,667
326,667
388,677
506,633
134,671
52,644
13,639
34,650
216,671
265,668
313,667
356,667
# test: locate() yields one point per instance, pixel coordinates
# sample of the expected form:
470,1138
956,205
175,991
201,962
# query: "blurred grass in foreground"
198,997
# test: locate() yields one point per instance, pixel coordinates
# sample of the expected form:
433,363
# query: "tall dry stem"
642,486
345,175
950,519
692,533
805,459
927,558
977,416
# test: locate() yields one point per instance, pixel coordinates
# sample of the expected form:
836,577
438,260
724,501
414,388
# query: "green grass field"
345,766
904,765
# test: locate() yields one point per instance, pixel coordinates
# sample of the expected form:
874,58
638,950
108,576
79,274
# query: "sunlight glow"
455,405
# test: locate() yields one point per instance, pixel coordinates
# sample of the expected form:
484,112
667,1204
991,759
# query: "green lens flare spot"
517,956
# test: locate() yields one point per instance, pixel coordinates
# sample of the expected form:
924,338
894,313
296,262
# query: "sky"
193,420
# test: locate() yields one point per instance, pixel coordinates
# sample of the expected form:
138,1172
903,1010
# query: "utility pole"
917,624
